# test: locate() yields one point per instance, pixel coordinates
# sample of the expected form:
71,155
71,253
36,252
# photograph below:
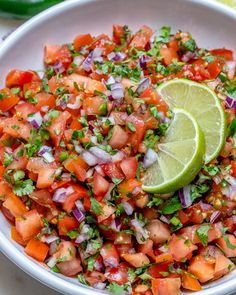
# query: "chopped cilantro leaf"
164,35
22,188
8,159
211,170
131,127
172,205
202,234
96,206
116,289
155,201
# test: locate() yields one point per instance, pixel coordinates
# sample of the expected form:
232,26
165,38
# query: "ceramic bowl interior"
213,25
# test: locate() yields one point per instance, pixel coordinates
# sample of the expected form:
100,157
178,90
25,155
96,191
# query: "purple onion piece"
185,196
214,216
234,218
230,103
143,61
44,149
87,63
205,206
128,208
143,85
58,67
35,120
61,194
103,156
164,219
78,214
116,56
117,91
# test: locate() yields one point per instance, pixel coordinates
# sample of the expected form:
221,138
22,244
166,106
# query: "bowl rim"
7,247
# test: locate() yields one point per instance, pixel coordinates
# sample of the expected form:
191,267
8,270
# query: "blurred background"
12,14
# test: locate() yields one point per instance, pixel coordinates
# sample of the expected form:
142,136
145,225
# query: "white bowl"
212,24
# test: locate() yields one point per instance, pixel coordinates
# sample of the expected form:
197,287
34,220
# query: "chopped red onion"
188,56
116,56
231,69
141,232
205,206
115,225
53,248
111,80
62,101
99,170
78,214
89,173
51,239
143,85
76,105
117,91
80,206
149,158
234,219
185,196
78,60
58,67
148,46
231,180
217,179
48,157
102,156
87,63
94,139
230,103
83,236
161,116
89,158
118,156
214,216
78,148
61,194
143,61
45,109
164,219
44,149
52,262
127,207
35,120
214,84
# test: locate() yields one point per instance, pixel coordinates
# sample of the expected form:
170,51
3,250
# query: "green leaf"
8,159
189,45
172,205
116,289
82,279
230,87
131,127
155,201
22,188
96,206
226,239
202,234
164,35
73,234
232,128
18,175
211,170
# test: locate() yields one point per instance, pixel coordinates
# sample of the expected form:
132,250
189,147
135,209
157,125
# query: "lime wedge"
179,158
204,105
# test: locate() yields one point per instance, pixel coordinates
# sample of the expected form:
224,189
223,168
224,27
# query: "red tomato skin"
223,52
82,40
8,101
118,275
141,38
101,185
110,255
119,138
112,170
66,224
129,167
19,78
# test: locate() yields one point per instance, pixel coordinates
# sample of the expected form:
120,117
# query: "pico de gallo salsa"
75,141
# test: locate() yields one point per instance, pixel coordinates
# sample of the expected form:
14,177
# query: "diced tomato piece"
35,164
136,259
21,131
58,126
80,192
19,78
101,185
201,268
112,170
184,246
230,251
37,249
164,258
141,38
117,33
233,167
29,225
8,99
45,100
222,52
82,40
183,217
129,166
156,270
189,282
150,96
223,266
56,53
42,197
104,42
92,105
147,248
94,277
168,54
45,177
118,275
77,166
66,224
17,237
66,251
119,138
110,255
136,137
70,268
31,89
128,186
25,109
15,205
170,286
230,224
158,231
107,211
5,190
214,68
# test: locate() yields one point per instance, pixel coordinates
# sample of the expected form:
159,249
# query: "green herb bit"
202,234
131,127
95,206
171,206
8,159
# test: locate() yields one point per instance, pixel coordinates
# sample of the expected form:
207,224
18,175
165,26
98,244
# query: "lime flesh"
179,158
204,105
